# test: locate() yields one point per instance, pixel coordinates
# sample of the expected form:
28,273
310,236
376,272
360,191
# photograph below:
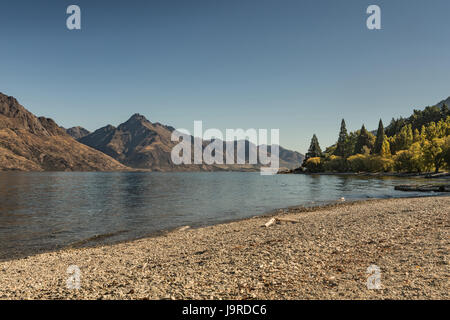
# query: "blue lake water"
47,211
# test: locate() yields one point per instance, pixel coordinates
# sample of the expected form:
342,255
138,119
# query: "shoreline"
323,256
84,243
91,241
425,175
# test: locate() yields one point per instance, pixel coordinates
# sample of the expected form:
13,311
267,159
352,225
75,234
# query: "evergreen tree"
314,148
380,139
444,111
350,143
362,141
341,144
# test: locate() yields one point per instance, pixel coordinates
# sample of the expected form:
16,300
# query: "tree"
416,136
380,139
432,131
402,140
417,157
363,140
404,161
341,144
350,143
446,151
434,153
418,119
314,150
445,112
385,148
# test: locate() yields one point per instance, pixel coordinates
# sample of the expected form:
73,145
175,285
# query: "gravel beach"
320,253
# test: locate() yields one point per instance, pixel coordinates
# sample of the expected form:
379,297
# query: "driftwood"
275,220
424,188
287,220
270,222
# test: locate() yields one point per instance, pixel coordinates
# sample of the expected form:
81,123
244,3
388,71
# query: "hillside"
30,143
419,118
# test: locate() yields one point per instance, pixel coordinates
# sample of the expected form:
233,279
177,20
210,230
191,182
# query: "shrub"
357,162
367,163
314,165
336,164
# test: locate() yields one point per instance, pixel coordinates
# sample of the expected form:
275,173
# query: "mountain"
289,158
36,144
77,132
139,143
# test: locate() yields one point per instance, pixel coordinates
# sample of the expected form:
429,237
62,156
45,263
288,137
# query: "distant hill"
77,132
419,118
31,143
446,102
139,143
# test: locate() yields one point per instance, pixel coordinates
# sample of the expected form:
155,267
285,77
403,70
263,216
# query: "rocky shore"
320,253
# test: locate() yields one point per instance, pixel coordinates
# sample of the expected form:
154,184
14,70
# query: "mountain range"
139,143
31,143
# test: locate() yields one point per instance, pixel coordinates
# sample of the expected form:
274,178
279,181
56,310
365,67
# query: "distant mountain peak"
77,132
109,127
5,96
137,117
14,116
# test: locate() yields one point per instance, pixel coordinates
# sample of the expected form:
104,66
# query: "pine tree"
341,144
380,139
362,141
444,111
314,148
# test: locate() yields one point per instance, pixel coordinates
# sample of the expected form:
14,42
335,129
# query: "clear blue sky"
299,66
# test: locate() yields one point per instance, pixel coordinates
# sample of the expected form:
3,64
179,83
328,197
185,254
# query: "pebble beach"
315,253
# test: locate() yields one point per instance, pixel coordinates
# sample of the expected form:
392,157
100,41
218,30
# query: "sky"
293,65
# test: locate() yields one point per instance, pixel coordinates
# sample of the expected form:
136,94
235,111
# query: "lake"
41,211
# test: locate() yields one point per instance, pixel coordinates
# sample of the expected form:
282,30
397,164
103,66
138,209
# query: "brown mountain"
77,132
31,143
138,143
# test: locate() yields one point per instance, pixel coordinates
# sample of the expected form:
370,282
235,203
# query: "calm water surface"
46,211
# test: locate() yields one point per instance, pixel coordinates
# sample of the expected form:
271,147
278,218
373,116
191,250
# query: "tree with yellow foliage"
434,153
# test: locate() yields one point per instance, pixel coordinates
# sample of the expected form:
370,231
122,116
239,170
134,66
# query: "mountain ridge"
139,143
31,143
